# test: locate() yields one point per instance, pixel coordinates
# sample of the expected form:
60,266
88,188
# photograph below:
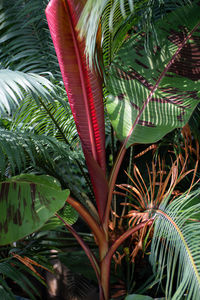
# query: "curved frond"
14,85
17,275
52,119
176,247
19,151
24,38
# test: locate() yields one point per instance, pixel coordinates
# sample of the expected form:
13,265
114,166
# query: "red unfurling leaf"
83,86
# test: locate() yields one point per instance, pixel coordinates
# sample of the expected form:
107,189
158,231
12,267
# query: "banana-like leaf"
26,203
83,88
175,248
152,94
117,18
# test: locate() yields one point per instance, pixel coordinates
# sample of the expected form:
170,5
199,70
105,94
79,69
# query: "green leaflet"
138,297
175,246
152,94
26,203
14,85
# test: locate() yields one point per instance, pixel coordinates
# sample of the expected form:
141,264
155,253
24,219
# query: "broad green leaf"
150,95
138,297
26,203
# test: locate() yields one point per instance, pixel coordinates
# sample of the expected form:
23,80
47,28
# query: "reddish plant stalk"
89,254
112,181
92,223
105,263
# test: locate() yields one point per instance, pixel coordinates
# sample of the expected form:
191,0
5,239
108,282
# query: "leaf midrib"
159,81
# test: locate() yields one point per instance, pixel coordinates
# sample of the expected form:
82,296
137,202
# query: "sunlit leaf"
152,94
176,247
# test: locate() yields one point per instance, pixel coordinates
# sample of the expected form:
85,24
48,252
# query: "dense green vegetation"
123,142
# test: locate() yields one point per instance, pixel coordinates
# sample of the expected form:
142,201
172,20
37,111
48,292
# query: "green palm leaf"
151,95
52,119
26,152
14,85
18,151
176,247
25,41
15,274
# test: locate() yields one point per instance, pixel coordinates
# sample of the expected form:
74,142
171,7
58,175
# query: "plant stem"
89,254
106,262
92,223
112,181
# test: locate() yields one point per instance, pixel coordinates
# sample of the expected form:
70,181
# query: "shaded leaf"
26,203
25,42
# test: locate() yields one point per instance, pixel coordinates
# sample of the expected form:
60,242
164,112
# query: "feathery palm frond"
22,150
52,119
14,85
176,246
117,17
16,274
24,37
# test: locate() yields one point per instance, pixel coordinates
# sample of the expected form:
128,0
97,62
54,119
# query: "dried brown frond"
29,262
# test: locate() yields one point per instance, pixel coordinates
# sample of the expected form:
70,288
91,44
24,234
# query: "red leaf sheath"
83,88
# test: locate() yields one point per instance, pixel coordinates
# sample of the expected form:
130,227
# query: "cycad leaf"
21,150
14,85
176,247
54,119
82,85
26,203
25,41
151,95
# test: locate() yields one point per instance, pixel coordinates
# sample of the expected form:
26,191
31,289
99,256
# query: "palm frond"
17,276
24,37
14,85
52,119
22,150
176,246
31,153
117,17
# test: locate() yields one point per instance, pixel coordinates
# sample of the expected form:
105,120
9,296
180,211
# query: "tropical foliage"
142,59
